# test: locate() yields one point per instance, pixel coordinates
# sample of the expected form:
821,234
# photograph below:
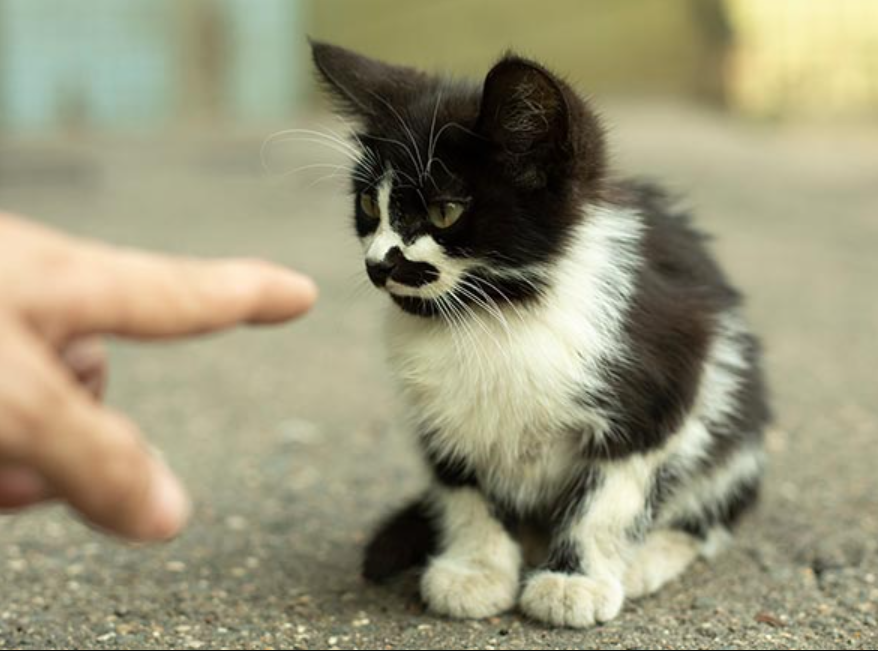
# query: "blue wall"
120,63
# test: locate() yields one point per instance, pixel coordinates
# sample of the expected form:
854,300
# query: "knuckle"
33,409
58,264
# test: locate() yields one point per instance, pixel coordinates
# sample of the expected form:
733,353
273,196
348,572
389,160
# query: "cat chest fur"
500,392
499,396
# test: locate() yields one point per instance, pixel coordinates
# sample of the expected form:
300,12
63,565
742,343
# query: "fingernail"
169,504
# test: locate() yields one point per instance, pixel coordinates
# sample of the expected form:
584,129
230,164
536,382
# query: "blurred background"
146,64
164,124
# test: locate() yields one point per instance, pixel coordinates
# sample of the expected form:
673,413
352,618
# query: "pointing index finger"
141,295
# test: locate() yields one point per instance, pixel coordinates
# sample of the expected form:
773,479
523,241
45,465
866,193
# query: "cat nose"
381,270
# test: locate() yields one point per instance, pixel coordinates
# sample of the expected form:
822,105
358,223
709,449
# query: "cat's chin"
423,307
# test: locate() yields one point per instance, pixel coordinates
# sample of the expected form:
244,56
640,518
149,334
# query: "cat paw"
662,558
468,589
571,600
641,581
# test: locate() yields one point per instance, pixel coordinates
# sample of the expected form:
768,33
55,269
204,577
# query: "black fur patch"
727,513
447,470
564,558
398,268
414,274
568,508
406,539
417,306
571,502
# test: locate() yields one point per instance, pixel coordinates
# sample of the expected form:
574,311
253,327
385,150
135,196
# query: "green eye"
444,214
369,205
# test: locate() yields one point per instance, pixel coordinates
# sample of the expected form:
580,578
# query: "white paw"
662,558
571,600
468,589
642,579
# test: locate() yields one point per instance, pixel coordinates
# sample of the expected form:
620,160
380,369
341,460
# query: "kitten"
574,362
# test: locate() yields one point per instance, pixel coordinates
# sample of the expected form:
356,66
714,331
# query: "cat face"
463,193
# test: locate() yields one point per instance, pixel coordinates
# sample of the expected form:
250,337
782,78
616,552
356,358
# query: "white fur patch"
723,372
377,245
601,536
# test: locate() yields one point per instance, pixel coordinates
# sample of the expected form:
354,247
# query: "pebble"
704,603
236,523
361,621
299,431
17,564
771,620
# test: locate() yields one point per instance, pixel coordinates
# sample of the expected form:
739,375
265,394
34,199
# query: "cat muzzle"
396,267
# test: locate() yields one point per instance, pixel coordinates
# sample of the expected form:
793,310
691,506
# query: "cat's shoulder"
659,208
675,247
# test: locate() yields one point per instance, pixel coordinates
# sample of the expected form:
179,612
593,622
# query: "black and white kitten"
574,362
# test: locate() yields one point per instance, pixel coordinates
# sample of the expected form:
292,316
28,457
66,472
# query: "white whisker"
355,156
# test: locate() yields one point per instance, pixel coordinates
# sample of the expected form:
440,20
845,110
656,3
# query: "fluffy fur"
574,363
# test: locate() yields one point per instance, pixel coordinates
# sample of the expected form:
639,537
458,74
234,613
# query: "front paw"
468,588
571,600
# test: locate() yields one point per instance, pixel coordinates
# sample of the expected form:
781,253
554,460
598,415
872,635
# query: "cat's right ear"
364,88
525,113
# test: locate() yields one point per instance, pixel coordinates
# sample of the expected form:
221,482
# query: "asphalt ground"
289,441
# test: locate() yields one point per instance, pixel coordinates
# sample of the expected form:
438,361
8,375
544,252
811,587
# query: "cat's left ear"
525,113
365,88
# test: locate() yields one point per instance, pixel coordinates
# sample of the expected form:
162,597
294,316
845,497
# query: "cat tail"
405,540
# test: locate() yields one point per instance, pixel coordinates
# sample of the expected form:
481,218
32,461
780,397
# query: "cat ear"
525,113
363,87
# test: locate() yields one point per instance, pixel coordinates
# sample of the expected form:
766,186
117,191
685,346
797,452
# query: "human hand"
56,293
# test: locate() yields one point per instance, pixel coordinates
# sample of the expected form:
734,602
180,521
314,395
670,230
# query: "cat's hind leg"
664,555
698,522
